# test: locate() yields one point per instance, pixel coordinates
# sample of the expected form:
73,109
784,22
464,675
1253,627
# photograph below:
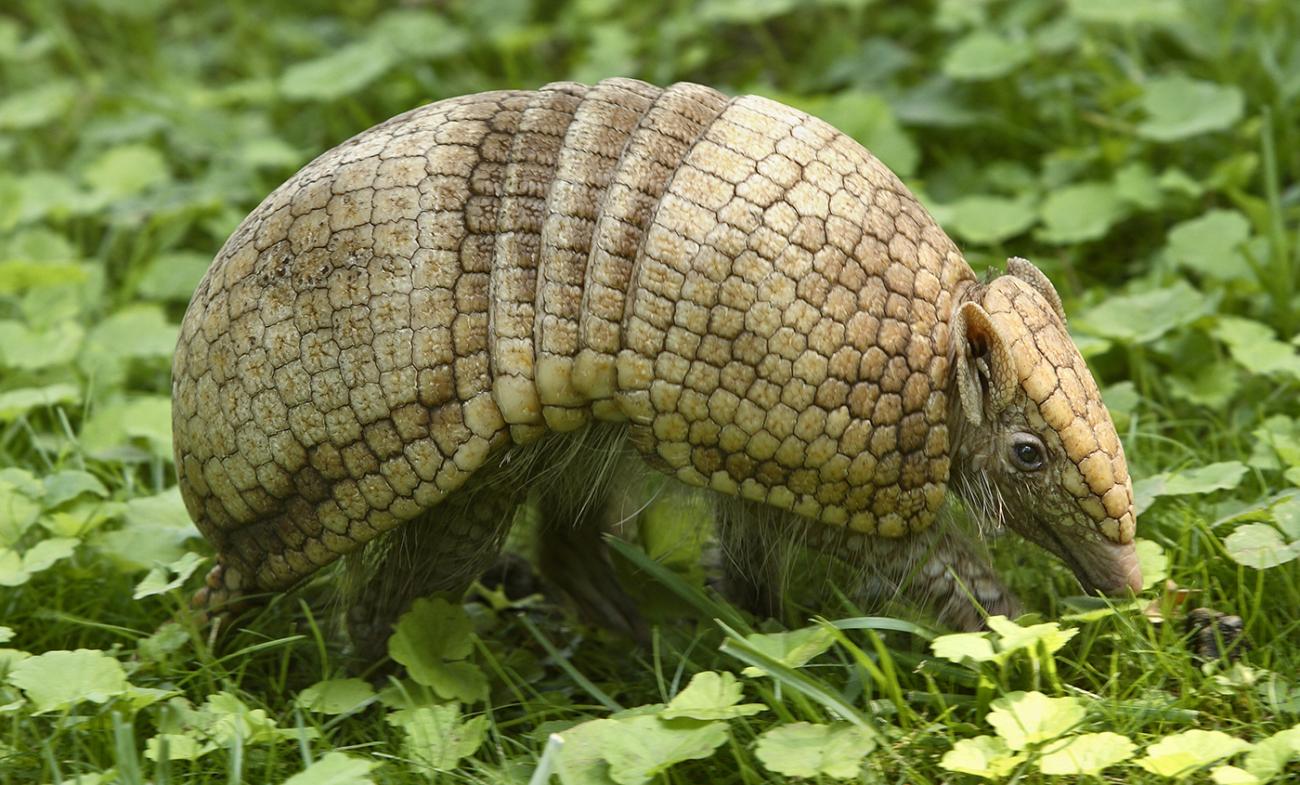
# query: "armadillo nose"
1126,571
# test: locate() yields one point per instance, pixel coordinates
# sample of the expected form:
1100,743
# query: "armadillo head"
1035,448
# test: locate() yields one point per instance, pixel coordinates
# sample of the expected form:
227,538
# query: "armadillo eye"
1027,452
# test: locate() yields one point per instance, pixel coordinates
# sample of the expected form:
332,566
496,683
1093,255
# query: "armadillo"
505,290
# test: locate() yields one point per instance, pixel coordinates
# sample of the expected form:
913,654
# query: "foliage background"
1145,153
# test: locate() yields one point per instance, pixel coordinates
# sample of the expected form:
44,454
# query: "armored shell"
762,301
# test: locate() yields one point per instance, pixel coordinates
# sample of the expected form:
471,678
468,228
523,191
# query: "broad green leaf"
1260,546
16,569
1277,693
1127,12
227,718
581,761
342,72
173,276
984,55
262,152
164,578
1087,754
988,220
1224,475
649,745
418,33
1145,316
1256,347
963,645
22,481
432,640
1058,36
1079,213
80,517
1281,435
336,696
335,768
1023,719
45,553
710,696
611,49
801,749
1136,184
935,102
1211,245
1269,757
1211,384
168,639
1231,775
794,648
1181,754
6,634
179,746
11,568
17,403
68,484
1176,181
62,679
20,505
154,531
1122,399
632,750
126,171
30,350
983,756
1153,561
24,274
52,253
745,11
135,331
138,698
1013,637
1221,476
1178,107
116,428
1286,514
37,106
436,737
48,194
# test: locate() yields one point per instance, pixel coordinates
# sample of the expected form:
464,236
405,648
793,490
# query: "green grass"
1145,153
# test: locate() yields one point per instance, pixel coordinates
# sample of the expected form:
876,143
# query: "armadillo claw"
219,599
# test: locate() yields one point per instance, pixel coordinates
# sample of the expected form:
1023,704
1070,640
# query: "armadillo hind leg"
573,558
581,481
756,543
442,551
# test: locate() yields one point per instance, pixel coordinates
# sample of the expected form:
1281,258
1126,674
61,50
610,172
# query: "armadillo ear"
1027,272
984,365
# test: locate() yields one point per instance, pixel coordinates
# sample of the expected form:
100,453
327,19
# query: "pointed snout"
1114,568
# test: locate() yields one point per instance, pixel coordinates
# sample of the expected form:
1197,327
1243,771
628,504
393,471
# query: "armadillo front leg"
442,551
573,557
942,570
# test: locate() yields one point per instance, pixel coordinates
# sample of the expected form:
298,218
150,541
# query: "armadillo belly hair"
825,565
593,469
597,471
